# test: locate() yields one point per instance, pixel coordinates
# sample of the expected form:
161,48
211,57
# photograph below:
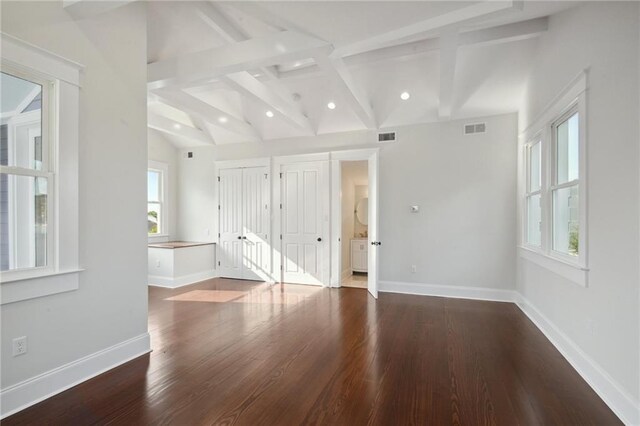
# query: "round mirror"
362,211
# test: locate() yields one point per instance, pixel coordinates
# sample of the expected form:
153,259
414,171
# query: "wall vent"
387,137
470,129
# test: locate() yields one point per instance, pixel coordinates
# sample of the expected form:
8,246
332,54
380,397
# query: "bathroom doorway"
354,241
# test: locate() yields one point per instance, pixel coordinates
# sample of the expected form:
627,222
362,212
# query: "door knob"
244,237
376,243
239,237
319,239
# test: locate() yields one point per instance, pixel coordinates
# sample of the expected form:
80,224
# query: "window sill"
571,271
38,284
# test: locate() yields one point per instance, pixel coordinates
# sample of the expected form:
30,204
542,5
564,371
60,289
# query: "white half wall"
602,320
70,331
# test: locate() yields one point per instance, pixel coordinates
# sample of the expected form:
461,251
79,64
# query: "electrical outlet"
206,232
158,263
20,346
414,269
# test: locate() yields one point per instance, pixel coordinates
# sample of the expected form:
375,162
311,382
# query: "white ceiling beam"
335,68
197,67
80,9
342,79
448,59
172,127
395,36
505,33
277,98
207,112
250,86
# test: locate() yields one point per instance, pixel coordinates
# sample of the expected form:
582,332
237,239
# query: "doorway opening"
354,239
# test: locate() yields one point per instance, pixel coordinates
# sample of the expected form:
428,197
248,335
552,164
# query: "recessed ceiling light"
331,105
404,96
177,126
269,114
223,119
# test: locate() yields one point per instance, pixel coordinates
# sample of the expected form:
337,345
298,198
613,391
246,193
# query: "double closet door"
244,244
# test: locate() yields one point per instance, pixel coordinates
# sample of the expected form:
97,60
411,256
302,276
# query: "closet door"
255,217
230,214
305,195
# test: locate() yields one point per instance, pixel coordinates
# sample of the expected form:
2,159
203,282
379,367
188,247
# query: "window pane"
535,167
23,221
153,218
567,141
153,185
534,218
566,228
21,128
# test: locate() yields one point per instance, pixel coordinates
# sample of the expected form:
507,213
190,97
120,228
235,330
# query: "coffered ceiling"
233,72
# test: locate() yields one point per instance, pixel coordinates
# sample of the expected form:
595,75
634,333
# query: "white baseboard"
620,402
157,281
476,293
24,394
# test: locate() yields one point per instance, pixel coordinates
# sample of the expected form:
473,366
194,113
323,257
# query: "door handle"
376,243
319,239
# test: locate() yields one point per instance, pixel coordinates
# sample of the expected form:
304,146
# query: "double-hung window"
27,172
157,199
564,190
554,186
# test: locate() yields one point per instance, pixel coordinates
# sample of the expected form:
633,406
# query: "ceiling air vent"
387,137
470,129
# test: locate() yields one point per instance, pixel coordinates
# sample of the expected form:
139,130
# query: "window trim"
163,168
571,100
49,168
30,283
536,139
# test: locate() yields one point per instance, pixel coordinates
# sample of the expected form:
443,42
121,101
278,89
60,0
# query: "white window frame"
537,139
163,224
62,271
571,100
48,170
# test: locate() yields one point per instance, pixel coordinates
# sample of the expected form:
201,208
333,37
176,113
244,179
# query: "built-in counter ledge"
177,244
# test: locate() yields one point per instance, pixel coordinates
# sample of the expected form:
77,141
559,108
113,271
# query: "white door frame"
278,162
337,157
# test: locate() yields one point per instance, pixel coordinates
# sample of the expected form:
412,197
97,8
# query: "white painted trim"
452,291
244,163
571,271
43,285
565,98
620,402
31,391
300,158
158,281
21,54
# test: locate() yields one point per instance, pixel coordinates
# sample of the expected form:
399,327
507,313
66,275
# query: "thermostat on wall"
415,209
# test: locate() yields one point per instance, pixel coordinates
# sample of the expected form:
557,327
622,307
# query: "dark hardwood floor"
236,352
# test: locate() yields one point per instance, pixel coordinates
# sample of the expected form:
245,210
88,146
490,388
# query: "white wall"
110,305
602,320
160,149
465,233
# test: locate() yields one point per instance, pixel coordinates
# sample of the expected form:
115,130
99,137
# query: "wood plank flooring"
236,352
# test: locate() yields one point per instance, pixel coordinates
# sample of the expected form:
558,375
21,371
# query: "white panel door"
255,236
372,274
304,196
230,214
